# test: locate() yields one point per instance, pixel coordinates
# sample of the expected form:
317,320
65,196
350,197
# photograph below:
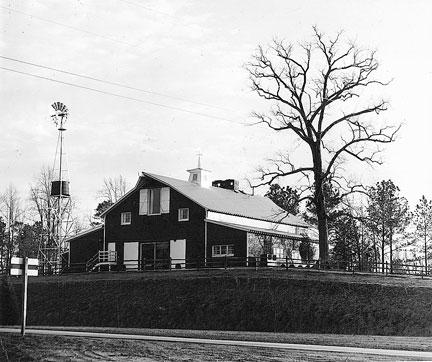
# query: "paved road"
289,346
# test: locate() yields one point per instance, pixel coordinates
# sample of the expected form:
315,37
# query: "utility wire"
149,9
158,12
122,96
70,27
112,83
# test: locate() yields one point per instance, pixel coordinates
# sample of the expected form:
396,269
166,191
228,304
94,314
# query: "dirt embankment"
248,301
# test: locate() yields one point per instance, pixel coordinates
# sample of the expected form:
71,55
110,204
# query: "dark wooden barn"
166,222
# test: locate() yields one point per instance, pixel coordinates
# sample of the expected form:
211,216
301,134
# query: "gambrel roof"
226,201
230,202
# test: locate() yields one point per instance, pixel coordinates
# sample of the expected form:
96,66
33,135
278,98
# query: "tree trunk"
425,248
391,250
382,249
322,223
320,203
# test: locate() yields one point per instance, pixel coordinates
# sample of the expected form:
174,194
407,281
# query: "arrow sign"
24,267
17,266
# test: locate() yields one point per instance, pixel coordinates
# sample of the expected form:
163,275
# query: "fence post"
226,262
386,267
286,262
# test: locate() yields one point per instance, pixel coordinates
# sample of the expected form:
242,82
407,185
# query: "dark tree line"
369,235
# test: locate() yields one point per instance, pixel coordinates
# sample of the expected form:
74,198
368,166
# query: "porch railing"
102,258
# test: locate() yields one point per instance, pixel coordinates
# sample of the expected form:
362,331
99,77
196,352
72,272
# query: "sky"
189,92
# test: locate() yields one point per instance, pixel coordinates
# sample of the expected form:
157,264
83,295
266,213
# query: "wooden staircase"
102,258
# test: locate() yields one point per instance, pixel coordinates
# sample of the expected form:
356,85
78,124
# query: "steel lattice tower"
53,249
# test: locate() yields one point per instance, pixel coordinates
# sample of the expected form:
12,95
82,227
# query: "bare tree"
12,212
315,89
44,208
113,188
42,203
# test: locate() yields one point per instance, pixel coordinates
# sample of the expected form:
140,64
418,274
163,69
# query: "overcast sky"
191,53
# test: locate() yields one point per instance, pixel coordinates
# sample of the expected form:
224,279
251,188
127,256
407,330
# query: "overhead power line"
106,37
174,19
121,96
112,83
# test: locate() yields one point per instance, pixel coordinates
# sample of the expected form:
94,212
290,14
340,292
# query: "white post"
24,297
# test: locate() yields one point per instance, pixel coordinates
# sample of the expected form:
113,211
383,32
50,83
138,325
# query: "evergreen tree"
422,220
102,206
286,198
332,202
388,213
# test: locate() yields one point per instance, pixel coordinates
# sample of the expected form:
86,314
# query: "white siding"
165,200
143,202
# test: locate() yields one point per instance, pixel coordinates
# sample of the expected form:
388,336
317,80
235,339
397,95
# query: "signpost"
24,267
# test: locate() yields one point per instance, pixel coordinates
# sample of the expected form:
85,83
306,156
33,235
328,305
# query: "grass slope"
235,300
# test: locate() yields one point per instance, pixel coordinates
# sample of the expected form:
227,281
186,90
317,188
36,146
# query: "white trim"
226,246
123,218
205,238
256,230
180,214
104,235
254,223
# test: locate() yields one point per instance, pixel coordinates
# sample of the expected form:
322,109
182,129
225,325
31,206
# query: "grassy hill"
266,300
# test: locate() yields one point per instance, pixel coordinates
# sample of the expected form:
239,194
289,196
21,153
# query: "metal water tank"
55,188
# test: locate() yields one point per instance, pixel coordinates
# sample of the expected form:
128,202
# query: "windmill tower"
53,251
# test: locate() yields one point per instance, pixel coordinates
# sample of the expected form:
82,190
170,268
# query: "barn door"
155,255
147,255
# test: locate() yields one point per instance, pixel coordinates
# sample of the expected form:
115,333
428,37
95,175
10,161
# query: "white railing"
102,258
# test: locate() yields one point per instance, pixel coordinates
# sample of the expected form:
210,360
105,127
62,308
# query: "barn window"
154,201
125,218
183,214
222,250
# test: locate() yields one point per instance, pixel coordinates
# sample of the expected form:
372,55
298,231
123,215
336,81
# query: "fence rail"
109,262
256,263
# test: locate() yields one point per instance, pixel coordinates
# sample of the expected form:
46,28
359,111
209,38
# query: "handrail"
102,256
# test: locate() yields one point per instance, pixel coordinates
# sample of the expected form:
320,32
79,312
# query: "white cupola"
199,175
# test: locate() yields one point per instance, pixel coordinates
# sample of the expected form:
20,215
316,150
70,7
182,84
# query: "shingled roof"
230,202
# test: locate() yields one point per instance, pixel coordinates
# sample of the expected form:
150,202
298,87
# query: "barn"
165,222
